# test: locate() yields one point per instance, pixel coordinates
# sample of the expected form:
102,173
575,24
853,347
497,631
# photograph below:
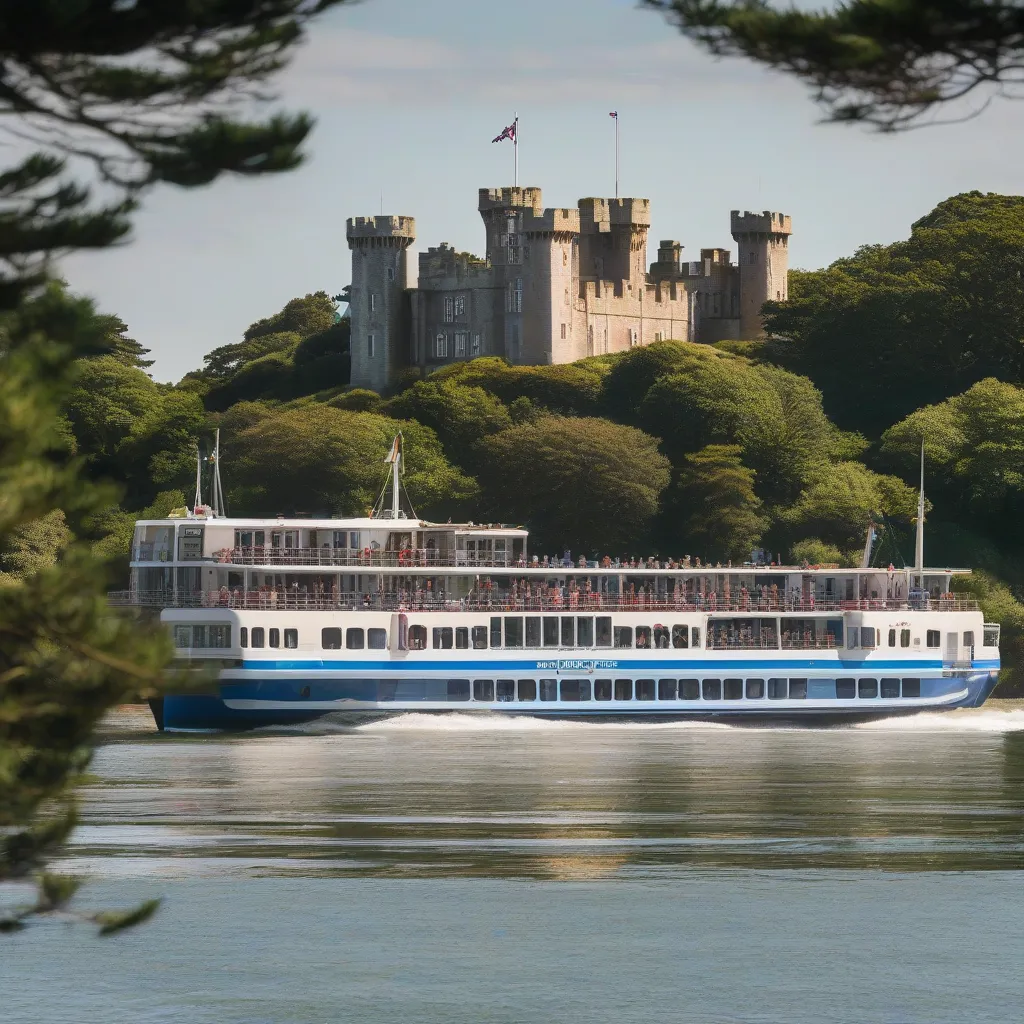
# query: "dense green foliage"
134,94
888,63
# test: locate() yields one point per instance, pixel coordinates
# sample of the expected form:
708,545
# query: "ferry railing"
500,604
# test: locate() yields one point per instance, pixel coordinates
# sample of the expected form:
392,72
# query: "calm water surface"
466,869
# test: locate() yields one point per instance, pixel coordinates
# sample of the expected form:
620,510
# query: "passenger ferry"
389,613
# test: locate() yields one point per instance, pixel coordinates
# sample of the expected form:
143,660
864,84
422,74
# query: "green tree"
812,551
714,509
880,62
461,416
633,373
581,483
33,546
144,92
316,458
896,327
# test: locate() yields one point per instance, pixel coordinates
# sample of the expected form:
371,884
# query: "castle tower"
551,287
503,210
378,304
613,239
763,243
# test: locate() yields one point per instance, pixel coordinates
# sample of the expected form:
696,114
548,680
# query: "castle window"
658,336
369,346
563,332
449,309
633,338
373,302
460,306
461,337
514,298
476,344
441,350
391,273
567,296
752,258
565,258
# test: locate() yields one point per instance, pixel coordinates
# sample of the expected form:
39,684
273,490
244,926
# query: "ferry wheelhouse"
305,617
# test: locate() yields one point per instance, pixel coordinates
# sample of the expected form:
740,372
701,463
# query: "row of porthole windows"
507,690
260,636
869,637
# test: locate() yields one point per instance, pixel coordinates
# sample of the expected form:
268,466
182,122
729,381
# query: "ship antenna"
199,481
919,547
219,506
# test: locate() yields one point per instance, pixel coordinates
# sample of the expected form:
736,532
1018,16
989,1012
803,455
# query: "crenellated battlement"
509,198
765,223
362,229
553,221
443,261
599,215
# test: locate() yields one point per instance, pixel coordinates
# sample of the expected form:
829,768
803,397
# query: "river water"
467,870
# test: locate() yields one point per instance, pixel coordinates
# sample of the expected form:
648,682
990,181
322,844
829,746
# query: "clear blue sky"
408,95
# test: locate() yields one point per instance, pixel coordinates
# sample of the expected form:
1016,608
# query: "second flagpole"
515,150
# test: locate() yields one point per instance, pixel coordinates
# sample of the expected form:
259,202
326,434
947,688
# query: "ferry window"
846,689
911,687
689,689
533,631
867,636
733,689
550,631
417,638
892,637
798,689
602,689
243,636
905,638
568,631
575,689
603,633
183,636
623,636
495,631
443,638
666,689
461,638
527,689
506,690
623,689
645,689
932,639
479,638
291,638
585,631
219,636
458,689
483,689
643,637
513,631
257,636
989,638
275,637
969,639
853,637
330,638
198,636
867,688
755,689
712,689
890,688
661,637
377,639
549,689
778,689
695,637
681,637
354,639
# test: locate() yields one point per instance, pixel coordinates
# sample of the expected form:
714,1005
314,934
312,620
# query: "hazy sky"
409,93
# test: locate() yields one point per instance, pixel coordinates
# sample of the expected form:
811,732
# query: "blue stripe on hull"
208,711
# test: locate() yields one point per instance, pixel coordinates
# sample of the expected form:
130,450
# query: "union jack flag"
508,133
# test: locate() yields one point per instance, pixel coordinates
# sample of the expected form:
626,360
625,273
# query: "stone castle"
555,285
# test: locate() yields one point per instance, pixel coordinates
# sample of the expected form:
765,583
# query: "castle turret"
379,300
763,243
551,287
613,239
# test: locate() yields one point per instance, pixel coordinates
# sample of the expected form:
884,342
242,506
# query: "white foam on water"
988,720
456,723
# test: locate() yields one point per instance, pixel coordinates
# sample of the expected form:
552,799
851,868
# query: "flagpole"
616,154
515,150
